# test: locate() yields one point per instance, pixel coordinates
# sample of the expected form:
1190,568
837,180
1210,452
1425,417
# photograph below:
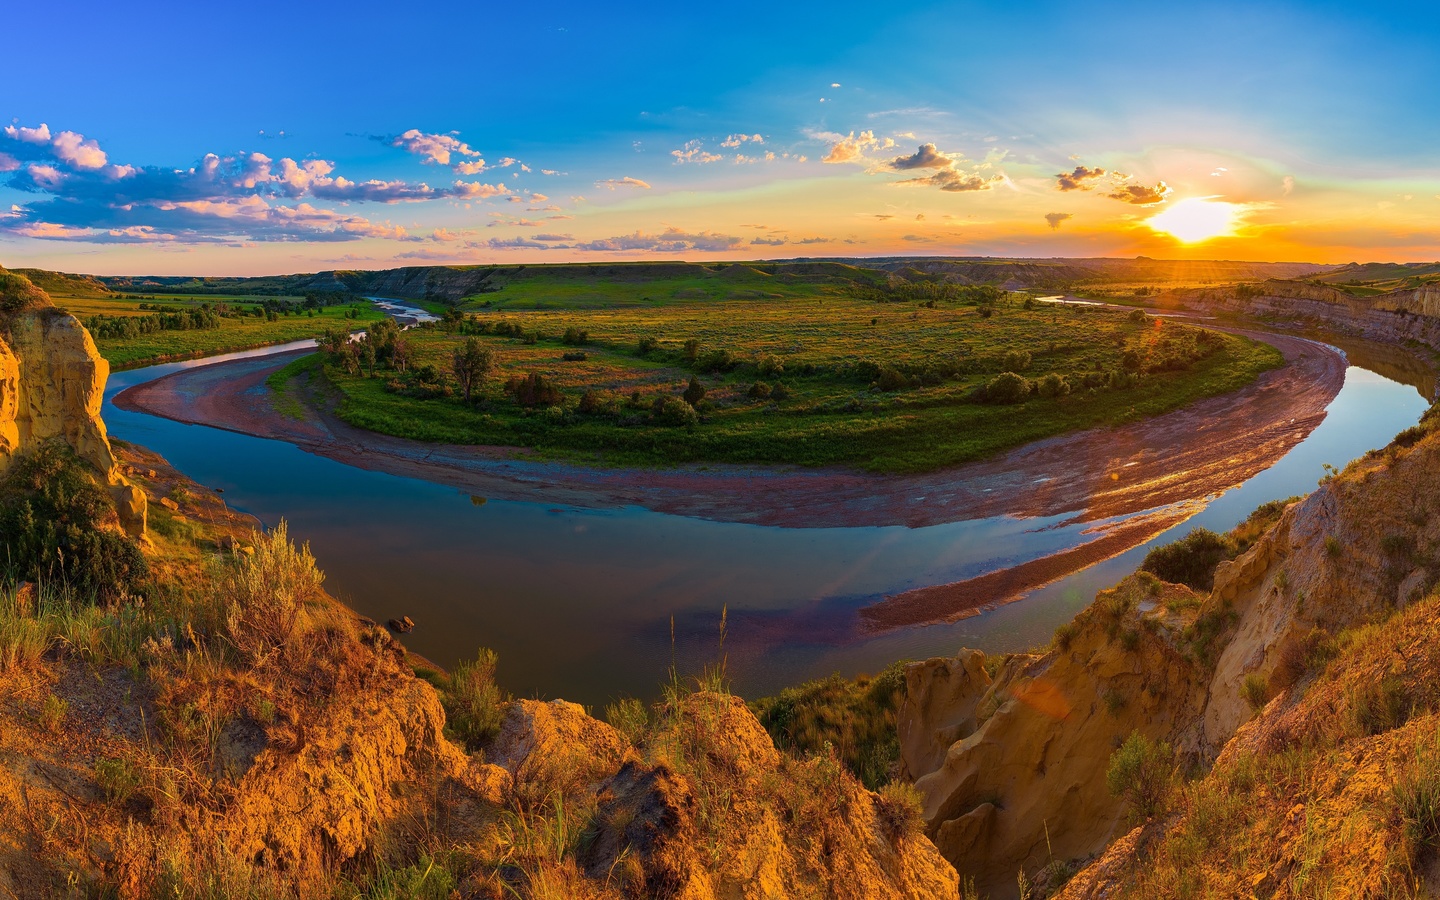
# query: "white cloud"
39,135
72,148
435,148
627,181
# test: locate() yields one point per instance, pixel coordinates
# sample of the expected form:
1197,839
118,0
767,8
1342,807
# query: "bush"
533,390
759,391
265,591
56,525
590,403
629,717
646,345
900,809
1140,772
1189,561
674,411
770,366
575,356
716,361
690,351
1417,797
1254,691
1052,386
779,392
117,778
891,379
1007,387
474,704
1015,361
575,337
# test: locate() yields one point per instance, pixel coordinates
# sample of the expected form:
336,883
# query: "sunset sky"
169,138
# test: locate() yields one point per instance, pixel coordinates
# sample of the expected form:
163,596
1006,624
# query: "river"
592,604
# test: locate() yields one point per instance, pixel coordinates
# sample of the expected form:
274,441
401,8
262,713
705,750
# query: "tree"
472,364
695,392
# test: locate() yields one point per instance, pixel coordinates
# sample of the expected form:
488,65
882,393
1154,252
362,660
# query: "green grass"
233,334
828,351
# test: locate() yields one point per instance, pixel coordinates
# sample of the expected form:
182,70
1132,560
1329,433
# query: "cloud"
1056,218
851,148
39,135
1141,195
1079,180
554,237
436,149
815,240
444,235
769,242
927,157
1287,184
736,140
694,152
956,181
8,163
471,190
627,181
474,167
918,238
72,148
672,240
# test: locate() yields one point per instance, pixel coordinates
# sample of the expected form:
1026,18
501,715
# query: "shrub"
779,392
716,361
1411,436
265,591
1417,797
759,391
1254,691
575,337
534,389
891,379
590,403
1379,706
1137,316
1052,386
900,809
694,392
117,778
1064,636
575,356
1140,772
1189,561
646,345
1015,361
690,351
474,703
674,411
53,712
53,517
1007,387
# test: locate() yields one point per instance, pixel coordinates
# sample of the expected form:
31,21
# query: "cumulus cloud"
927,157
694,152
1056,218
72,148
1140,194
956,181
852,147
247,197
471,167
434,149
627,181
1082,179
736,140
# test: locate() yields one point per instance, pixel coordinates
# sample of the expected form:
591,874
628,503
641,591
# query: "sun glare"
1198,219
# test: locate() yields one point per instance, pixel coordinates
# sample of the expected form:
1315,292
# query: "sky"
216,139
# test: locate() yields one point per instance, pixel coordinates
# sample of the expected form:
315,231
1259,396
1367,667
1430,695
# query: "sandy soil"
1099,474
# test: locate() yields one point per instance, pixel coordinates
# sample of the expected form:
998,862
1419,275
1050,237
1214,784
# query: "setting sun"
1198,219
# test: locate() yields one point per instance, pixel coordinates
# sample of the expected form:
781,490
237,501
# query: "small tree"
695,392
1140,772
472,364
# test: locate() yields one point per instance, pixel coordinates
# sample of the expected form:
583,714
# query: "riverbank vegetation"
140,329
900,385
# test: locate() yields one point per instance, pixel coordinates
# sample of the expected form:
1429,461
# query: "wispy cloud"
627,181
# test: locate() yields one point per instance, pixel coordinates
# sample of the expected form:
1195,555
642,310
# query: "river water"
592,604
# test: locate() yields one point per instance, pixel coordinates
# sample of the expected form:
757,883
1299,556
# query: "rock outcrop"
1026,787
52,382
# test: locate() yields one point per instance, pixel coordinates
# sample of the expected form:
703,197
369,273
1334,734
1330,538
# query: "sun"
1198,219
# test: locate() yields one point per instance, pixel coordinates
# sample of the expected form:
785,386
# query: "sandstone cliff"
52,381
1021,787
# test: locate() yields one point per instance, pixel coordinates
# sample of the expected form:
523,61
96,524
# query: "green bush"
694,392
1052,386
1189,561
1007,387
56,523
674,411
1140,772
474,703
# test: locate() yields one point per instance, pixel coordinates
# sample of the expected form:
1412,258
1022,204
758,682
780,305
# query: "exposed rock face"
1027,786
52,381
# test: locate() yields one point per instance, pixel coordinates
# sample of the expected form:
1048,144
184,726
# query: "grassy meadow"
812,378
236,326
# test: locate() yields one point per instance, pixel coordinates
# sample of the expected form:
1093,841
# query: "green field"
240,329
810,379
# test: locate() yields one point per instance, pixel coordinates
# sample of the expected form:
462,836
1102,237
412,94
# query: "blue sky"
1312,124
